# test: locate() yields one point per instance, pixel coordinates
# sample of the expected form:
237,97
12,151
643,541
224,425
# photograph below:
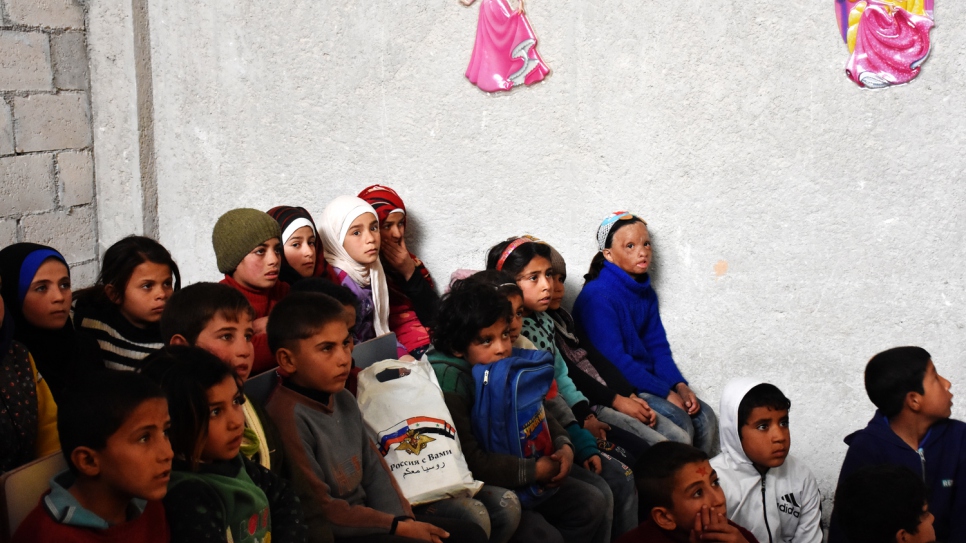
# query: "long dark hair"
519,258
118,265
597,263
185,374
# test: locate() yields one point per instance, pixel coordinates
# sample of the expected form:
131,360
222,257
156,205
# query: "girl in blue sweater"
617,312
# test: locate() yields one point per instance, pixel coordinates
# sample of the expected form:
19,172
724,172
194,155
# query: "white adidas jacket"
784,504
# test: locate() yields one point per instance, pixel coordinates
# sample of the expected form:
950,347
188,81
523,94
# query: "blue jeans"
664,430
576,511
495,509
622,498
702,427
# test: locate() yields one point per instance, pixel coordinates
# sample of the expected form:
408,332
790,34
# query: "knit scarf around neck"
333,226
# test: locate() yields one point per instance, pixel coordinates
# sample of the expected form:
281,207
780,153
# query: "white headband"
296,224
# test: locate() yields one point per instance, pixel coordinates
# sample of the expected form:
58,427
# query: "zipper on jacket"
486,377
922,461
764,509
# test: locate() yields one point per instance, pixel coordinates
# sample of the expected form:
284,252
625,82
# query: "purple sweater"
620,318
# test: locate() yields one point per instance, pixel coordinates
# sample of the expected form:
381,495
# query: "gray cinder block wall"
46,165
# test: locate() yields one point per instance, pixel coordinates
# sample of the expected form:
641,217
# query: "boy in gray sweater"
324,435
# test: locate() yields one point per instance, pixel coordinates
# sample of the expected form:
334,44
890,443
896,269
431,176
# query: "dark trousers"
460,531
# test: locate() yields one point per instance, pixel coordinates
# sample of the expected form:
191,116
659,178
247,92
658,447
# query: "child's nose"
239,417
165,453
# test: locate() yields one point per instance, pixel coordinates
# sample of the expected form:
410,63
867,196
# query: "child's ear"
178,339
286,360
112,294
459,354
664,519
86,460
607,255
914,401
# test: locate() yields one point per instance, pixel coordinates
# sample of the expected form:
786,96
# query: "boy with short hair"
912,428
341,293
772,494
900,513
248,247
324,434
681,499
218,319
113,430
474,328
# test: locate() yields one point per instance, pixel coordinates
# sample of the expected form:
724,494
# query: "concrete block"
8,232
48,122
83,275
75,171
26,184
68,58
24,61
70,232
46,13
6,128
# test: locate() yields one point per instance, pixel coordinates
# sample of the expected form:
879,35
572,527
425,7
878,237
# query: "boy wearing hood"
912,428
772,494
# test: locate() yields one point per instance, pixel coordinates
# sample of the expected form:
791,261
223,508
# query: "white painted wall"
838,213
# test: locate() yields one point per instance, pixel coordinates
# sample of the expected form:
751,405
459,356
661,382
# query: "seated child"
587,368
351,241
413,301
114,435
324,434
912,428
28,414
681,499
900,513
216,494
768,491
218,319
123,308
350,305
617,312
35,286
301,245
610,475
247,244
473,328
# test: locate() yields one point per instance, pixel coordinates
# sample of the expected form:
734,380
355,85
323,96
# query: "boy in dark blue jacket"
912,428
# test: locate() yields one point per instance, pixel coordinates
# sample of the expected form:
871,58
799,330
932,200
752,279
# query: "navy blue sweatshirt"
942,454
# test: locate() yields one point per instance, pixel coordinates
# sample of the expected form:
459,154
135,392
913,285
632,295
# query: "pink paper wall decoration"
888,39
505,53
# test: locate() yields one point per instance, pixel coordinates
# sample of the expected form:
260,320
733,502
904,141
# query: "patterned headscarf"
384,200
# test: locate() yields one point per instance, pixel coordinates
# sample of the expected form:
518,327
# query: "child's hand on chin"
397,256
711,526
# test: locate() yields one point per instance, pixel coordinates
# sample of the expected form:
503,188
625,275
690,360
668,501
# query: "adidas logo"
789,505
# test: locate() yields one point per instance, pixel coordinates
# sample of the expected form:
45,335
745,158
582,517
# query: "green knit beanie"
238,232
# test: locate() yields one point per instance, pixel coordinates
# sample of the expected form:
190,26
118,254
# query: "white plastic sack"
414,431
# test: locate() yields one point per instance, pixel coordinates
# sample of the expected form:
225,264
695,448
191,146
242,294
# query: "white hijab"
333,226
